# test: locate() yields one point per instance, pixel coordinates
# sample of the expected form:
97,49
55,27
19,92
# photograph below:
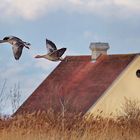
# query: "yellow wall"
126,85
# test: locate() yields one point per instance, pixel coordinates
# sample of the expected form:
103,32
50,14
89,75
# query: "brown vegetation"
40,126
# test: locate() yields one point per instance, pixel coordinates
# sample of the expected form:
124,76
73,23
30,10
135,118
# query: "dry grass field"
40,126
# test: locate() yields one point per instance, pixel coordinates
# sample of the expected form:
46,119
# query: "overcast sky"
69,23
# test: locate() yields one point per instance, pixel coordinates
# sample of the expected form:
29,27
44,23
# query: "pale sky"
69,23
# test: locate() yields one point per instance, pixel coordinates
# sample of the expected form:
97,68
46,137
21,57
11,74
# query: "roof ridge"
124,54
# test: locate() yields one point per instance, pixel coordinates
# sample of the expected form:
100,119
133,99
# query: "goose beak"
3,41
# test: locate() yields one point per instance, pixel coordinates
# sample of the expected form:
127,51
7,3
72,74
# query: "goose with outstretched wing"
53,54
17,45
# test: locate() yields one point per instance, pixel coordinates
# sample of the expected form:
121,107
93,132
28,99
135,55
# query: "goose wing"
17,50
21,41
16,38
51,47
58,53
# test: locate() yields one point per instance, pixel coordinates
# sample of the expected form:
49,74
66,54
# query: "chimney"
97,49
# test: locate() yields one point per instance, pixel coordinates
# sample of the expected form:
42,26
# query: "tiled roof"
77,83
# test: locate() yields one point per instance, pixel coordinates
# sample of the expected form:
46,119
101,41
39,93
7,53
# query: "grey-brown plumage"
17,45
53,54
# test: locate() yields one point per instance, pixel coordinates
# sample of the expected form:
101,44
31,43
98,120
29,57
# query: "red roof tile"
77,82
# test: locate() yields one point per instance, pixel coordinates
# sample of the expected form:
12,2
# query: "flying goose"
17,45
53,54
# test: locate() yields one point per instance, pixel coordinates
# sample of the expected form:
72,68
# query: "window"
138,73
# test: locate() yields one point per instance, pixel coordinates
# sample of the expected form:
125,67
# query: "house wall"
126,85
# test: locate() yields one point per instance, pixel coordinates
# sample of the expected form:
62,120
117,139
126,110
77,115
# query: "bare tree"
15,95
3,96
9,99
64,102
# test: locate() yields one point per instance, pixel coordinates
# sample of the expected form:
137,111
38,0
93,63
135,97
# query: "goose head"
5,39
